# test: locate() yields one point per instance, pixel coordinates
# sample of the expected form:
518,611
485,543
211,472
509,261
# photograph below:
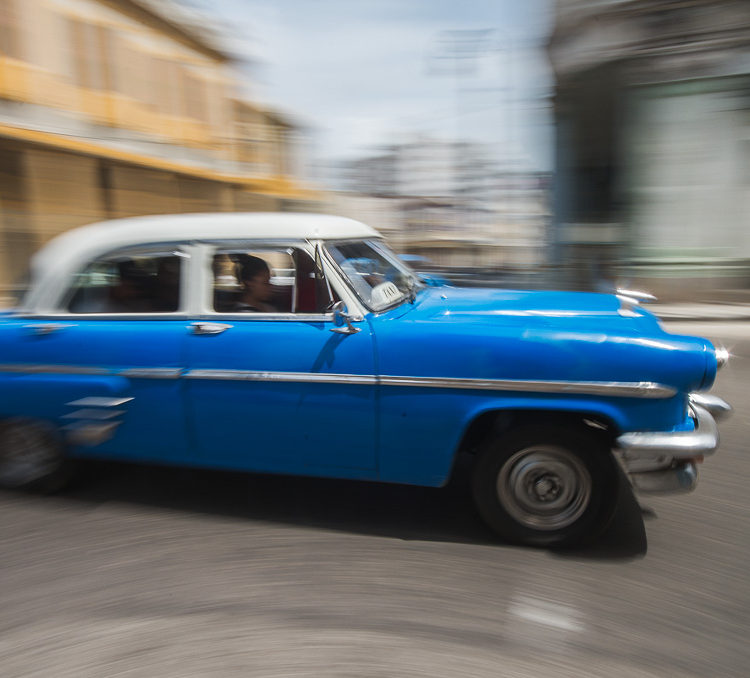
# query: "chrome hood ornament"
635,296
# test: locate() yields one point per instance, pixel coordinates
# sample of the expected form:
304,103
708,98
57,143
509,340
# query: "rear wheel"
549,486
32,456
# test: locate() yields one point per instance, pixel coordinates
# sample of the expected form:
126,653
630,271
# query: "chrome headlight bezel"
722,357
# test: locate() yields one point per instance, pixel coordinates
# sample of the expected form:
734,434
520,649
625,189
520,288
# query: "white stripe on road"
548,614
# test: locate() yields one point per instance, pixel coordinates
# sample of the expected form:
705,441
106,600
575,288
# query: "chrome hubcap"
544,487
547,487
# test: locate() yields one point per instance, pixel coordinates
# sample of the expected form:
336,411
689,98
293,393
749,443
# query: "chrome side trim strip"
52,369
624,389
134,372
152,373
627,389
300,377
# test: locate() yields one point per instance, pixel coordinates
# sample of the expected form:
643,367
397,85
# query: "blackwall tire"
548,486
32,457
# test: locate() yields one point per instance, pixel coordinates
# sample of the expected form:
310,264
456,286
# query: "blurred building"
114,108
653,144
457,205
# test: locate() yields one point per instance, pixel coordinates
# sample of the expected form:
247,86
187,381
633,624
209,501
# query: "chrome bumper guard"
664,462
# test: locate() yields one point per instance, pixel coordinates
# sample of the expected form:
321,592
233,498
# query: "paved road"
154,573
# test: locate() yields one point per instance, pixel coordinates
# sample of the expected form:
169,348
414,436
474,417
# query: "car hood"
528,307
512,334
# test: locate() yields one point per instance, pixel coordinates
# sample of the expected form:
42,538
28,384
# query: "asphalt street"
165,573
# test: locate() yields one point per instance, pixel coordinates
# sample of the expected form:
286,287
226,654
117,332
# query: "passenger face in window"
256,282
258,287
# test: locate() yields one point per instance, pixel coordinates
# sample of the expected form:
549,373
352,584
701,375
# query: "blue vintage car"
300,344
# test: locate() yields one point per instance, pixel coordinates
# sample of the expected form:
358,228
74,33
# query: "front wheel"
546,486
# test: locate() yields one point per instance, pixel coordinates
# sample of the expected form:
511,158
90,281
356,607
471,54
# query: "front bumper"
665,462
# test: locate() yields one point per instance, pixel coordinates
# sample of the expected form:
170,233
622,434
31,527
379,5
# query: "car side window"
268,281
138,283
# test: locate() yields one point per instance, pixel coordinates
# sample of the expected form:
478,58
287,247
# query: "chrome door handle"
42,329
210,328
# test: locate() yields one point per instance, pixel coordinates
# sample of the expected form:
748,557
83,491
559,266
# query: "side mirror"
343,320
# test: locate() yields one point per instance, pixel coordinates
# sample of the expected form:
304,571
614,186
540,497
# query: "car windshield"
375,273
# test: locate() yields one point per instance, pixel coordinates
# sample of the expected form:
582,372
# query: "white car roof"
56,261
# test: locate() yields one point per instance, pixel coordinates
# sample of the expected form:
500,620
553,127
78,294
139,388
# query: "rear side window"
142,283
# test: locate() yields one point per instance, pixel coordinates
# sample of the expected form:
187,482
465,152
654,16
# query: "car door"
269,386
106,367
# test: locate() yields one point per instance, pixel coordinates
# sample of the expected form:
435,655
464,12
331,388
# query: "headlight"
722,357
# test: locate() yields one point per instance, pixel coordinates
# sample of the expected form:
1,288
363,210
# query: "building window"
9,37
194,93
92,55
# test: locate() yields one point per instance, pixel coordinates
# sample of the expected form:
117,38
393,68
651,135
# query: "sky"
362,74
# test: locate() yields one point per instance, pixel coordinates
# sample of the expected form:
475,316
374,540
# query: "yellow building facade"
115,108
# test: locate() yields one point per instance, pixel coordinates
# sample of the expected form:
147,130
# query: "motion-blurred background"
569,144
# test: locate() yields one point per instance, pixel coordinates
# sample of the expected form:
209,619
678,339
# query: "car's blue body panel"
513,335
152,425
537,335
400,433
292,427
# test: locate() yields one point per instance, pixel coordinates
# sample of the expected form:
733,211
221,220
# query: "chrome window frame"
196,284
377,242
245,248
207,249
58,308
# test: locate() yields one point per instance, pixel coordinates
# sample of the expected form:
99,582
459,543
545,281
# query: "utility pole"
462,48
